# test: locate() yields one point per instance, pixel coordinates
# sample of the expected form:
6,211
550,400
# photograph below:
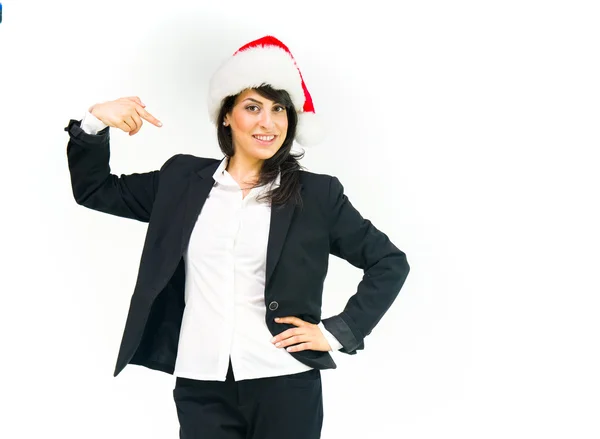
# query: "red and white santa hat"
266,61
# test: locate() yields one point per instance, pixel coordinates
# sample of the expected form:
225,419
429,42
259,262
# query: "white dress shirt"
225,265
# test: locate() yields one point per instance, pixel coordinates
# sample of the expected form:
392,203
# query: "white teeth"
265,138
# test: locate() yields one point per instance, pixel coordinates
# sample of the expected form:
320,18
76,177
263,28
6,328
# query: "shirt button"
273,306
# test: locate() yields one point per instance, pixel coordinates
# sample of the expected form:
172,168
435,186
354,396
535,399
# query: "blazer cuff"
342,332
333,342
79,136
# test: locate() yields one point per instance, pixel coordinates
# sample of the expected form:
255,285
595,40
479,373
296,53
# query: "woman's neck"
244,170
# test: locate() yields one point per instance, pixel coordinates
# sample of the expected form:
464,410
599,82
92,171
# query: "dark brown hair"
283,160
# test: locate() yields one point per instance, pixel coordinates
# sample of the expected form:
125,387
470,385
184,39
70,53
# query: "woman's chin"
265,153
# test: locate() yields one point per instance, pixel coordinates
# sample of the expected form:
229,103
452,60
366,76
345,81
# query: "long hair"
283,160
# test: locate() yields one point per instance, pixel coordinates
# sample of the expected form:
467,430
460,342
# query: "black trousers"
288,406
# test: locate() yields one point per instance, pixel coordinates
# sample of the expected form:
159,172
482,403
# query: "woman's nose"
266,120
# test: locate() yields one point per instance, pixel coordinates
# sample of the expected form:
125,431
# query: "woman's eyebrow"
259,102
253,100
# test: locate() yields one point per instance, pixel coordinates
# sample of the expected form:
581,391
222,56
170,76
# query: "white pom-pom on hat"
266,61
310,130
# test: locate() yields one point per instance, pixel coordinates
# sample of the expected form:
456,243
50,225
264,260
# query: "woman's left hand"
308,335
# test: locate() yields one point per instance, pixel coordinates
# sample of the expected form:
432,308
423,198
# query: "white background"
468,131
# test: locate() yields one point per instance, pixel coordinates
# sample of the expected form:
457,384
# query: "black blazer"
299,245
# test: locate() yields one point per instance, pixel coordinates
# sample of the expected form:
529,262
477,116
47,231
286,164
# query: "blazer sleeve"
93,185
385,268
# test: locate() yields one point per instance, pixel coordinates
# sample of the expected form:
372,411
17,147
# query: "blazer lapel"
281,217
201,182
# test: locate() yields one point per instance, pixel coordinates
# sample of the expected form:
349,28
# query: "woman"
228,295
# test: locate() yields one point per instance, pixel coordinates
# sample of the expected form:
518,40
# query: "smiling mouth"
264,138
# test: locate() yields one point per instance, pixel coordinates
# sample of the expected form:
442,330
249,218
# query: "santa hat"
266,61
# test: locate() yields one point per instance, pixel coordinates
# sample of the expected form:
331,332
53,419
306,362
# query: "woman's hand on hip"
306,336
124,113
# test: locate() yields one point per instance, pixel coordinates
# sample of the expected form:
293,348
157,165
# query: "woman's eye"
255,108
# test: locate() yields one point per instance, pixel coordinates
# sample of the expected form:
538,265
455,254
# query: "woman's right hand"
124,113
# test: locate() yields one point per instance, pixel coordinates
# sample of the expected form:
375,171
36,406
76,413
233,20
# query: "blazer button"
273,306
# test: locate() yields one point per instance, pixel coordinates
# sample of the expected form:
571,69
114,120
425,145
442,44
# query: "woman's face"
258,125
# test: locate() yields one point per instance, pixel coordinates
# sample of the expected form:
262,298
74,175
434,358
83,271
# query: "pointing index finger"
147,116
